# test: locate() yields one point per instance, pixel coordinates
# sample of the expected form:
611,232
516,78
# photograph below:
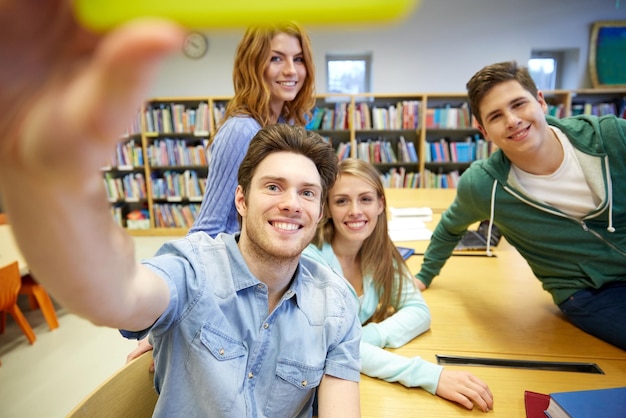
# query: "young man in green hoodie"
551,189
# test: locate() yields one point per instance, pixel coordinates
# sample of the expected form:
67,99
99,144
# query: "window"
348,73
543,72
555,69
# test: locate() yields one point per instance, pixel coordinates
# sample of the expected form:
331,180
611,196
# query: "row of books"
600,109
398,177
449,117
329,118
178,118
125,219
177,152
558,110
128,154
219,111
382,151
433,180
396,116
130,188
134,127
176,186
175,215
445,150
117,212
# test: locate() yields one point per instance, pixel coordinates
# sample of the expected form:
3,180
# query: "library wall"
156,179
436,49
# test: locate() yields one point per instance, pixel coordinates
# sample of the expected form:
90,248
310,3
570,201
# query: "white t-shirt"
566,189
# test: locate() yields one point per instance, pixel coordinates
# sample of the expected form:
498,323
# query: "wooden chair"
10,282
38,298
37,295
127,393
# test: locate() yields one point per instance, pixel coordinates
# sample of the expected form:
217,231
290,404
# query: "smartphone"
207,14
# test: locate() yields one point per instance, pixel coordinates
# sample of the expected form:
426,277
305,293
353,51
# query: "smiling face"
514,120
282,209
285,72
354,206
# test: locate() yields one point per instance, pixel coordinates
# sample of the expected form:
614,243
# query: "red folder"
536,403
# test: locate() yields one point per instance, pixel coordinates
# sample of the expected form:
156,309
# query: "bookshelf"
451,141
331,117
421,140
598,102
174,137
387,134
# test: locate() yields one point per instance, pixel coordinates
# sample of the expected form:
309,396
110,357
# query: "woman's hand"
465,389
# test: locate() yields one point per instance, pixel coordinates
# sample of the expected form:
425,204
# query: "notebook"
405,252
477,240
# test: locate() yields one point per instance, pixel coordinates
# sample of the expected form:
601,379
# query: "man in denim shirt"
251,328
243,328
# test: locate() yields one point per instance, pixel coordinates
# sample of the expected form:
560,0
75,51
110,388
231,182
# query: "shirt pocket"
292,388
216,363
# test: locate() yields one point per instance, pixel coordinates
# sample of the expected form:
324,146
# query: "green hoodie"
566,254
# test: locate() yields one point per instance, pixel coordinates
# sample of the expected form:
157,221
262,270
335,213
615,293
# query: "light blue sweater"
218,212
411,319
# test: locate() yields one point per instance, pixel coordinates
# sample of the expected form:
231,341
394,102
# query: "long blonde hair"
252,95
379,255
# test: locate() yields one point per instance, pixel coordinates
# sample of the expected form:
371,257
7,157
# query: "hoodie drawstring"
492,208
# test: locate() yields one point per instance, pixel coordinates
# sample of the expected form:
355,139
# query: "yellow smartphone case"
206,14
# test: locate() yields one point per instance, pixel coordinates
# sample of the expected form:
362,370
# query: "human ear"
542,101
240,201
381,205
482,131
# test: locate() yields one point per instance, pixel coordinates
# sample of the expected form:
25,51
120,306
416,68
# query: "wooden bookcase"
421,140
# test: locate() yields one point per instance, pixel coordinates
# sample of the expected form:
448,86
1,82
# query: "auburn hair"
252,95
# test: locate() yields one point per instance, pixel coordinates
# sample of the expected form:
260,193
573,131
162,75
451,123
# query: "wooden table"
490,307
380,399
436,199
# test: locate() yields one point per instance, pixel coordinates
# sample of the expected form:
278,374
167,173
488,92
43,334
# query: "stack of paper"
407,224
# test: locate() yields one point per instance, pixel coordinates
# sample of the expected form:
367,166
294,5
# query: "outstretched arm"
65,96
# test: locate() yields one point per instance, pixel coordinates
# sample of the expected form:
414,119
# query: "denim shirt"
217,351
411,319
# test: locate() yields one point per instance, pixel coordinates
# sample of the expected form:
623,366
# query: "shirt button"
221,351
266,325
250,375
304,383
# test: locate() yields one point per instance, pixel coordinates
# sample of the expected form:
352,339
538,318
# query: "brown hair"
294,139
379,256
252,96
488,77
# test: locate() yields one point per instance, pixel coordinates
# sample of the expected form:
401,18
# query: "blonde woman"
353,240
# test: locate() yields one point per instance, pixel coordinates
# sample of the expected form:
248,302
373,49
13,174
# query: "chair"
37,295
38,298
10,283
127,393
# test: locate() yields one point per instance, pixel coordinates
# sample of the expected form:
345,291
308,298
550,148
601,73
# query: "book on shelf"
605,403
